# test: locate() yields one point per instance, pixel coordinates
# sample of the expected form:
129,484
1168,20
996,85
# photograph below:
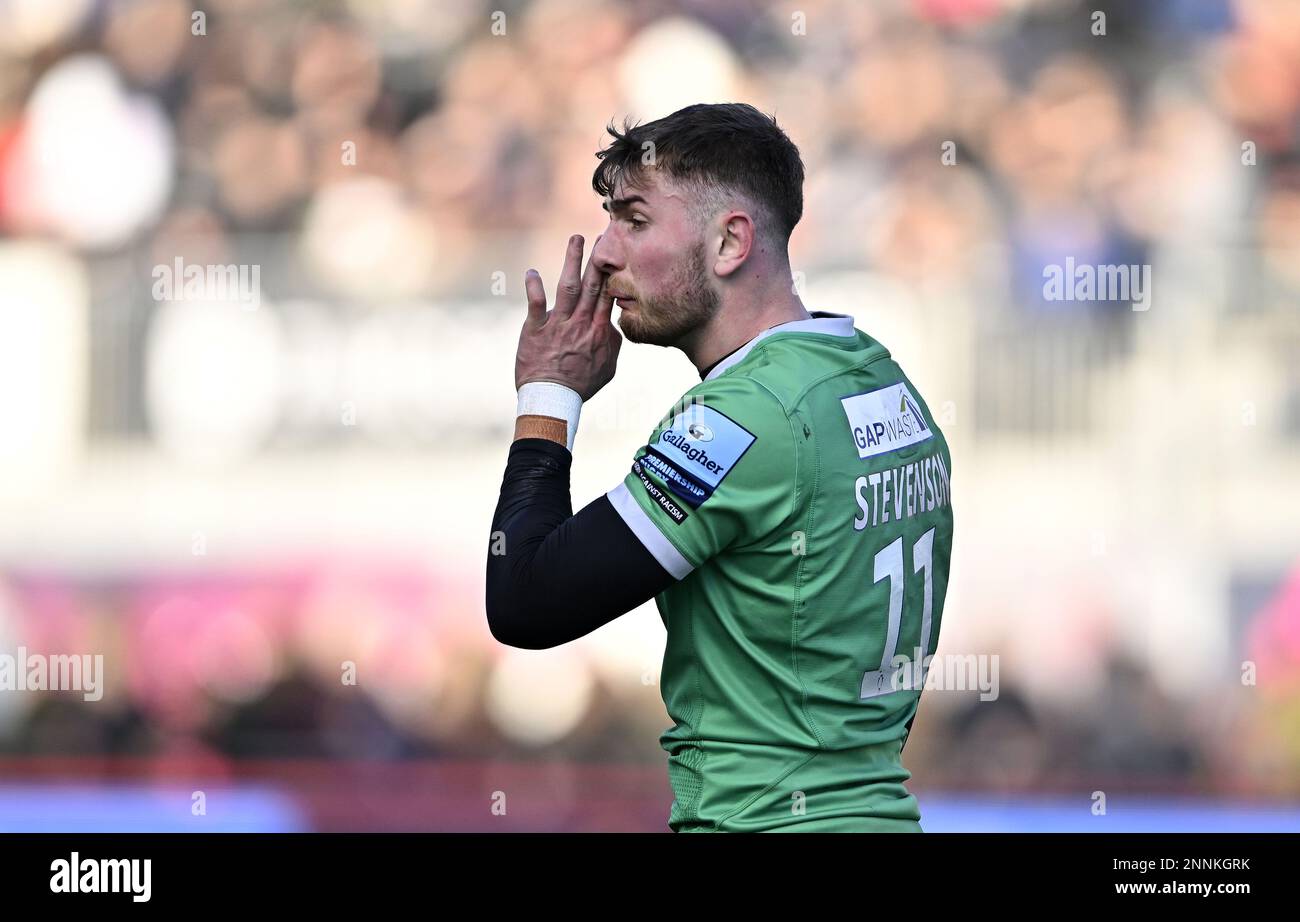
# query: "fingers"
604,304
593,287
574,295
536,298
570,287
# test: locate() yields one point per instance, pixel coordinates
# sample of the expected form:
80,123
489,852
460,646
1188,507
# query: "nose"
606,254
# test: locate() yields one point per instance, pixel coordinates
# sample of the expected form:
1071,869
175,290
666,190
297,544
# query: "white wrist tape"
546,398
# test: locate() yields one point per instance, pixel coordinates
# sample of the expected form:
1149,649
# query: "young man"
791,516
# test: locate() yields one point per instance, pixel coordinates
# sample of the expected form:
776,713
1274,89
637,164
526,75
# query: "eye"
638,223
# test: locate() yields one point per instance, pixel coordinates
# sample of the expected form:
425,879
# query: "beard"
664,320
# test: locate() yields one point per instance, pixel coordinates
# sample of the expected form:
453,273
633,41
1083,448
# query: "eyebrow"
619,204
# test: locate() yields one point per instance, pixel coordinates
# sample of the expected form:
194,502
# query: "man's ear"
735,241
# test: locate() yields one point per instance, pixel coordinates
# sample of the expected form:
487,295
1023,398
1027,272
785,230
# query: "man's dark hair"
717,151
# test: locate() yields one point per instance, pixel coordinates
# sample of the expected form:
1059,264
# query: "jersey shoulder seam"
795,454
836,373
796,601
797,592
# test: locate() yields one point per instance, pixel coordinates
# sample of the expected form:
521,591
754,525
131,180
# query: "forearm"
552,576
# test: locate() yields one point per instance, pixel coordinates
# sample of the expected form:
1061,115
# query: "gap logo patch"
703,444
885,420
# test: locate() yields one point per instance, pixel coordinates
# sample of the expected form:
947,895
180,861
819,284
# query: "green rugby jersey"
800,494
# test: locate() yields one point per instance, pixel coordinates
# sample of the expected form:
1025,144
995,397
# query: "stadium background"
228,503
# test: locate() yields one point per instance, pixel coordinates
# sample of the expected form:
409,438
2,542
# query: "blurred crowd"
384,153
409,145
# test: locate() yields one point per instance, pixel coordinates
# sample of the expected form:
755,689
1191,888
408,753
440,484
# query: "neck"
737,322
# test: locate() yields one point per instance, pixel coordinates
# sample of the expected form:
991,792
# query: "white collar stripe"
821,322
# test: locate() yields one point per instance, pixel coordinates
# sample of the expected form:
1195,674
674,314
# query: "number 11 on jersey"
890,678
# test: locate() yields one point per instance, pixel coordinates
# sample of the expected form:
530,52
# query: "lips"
618,295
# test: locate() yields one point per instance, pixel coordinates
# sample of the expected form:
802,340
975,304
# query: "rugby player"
791,515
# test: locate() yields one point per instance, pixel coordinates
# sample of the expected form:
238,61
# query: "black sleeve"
553,576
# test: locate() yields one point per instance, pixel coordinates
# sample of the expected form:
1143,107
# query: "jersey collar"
821,322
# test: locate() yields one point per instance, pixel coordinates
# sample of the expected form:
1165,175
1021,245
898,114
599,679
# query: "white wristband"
546,398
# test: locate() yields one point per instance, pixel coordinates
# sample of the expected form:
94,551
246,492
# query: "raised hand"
576,344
